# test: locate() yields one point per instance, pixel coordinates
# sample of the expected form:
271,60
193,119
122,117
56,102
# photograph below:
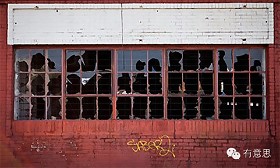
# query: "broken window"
226,107
190,80
38,84
88,73
124,108
174,107
104,108
89,108
98,84
241,75
225,74
191,107
139,73
54,108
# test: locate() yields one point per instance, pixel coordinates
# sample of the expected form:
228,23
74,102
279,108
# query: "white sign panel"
222,23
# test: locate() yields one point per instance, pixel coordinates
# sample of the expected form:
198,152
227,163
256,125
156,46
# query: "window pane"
190,60
174,108
225,59
191,83
257,107
22,108
257,59
124,108
89,82
207,108
242,107
104,108
140,83
241,81
89,107
225,83
54,108
54,60
104,60
257,83
175,60
38,108
139,60
206,83
72,108
155,60
124,60
226,107
38,84
21,80
124,81
73,60
54,84
191,107
140,107
22,60
206,60
88,60
104,83
155,83
73,82
241,60
37,60
175,82
156,107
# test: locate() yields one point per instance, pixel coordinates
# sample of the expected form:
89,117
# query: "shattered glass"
191,107
21,81
22,108
124,108
156,107
104,108
174,108
38,108
54,60
73,82
89,107
226,107
54,108
54,84
140,105
37,60
72,108
38,84
207,108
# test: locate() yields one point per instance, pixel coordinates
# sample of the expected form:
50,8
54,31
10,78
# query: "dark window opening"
38,84
207,84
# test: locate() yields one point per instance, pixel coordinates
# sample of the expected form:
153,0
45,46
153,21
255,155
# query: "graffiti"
153,145
38,146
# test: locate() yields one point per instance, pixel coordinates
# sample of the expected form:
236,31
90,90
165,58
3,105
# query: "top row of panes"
141,60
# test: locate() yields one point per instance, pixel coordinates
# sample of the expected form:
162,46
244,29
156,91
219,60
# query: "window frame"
164,48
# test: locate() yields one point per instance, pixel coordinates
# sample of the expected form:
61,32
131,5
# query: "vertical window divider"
114,78
250,90
198,73
81,81
29,86
233,84
63,87
46,85
216,83
165,83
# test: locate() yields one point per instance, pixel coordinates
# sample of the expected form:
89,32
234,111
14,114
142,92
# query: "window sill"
141,128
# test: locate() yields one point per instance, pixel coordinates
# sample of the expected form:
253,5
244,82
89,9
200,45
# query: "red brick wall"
104,143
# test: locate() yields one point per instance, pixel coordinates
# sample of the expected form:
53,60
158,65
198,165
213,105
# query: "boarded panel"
225,23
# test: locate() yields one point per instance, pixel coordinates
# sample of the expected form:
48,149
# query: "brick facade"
104,143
